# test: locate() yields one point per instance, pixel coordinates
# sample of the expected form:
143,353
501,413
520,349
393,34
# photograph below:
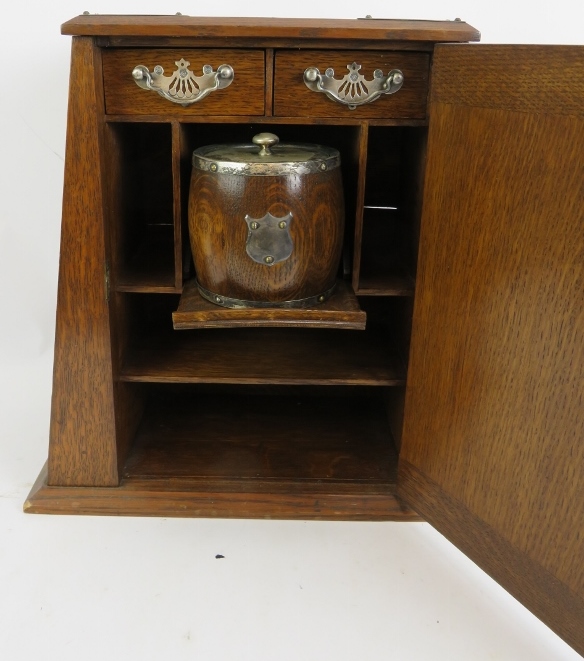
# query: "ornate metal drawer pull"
183,86
353,90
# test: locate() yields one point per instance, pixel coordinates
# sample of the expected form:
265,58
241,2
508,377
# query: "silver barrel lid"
266,157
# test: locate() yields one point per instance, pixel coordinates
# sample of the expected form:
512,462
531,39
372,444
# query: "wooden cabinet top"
336,30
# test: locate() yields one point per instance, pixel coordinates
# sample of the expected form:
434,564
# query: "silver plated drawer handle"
183,86
353,90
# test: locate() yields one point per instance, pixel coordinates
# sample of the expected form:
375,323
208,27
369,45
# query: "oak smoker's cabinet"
464,186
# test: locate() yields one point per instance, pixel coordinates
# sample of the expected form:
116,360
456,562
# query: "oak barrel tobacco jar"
266,223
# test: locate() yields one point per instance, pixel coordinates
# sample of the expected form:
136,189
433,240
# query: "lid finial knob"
265,141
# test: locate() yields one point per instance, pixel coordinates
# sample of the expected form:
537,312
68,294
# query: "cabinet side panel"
495,394
82,448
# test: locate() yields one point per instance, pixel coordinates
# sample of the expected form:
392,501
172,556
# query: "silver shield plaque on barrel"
268,238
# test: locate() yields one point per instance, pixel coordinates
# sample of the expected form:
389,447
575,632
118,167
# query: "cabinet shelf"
151,266
248,437
387,226
288,455
386,285
140,207
269,356
276,455
176,116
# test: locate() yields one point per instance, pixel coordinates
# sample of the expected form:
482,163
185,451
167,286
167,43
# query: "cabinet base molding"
181,498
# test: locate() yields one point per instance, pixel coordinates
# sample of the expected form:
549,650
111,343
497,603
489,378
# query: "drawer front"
293,98
244,96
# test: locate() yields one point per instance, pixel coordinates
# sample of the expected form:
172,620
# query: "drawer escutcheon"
353,90
183,87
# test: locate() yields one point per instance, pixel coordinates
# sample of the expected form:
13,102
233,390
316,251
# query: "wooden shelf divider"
269,356
386,285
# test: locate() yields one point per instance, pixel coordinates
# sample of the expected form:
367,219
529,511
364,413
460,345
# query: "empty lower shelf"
271,356
248,456
285,438
279,456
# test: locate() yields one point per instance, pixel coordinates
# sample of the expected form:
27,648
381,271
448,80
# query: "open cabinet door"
493,444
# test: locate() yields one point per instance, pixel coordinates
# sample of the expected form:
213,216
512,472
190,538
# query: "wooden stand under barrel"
467,190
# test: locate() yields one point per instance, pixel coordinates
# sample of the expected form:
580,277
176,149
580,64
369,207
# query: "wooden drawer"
293,98
245,95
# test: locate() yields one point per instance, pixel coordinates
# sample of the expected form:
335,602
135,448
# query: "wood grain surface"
495,385
251,356
245,95
223,498
83,433
180,236
534,79
278,455
286,437
359,192
340,311
218,206
301,29
337,461
139,158
499,558
293,98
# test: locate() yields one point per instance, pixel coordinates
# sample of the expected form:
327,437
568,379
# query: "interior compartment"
328,442
386,254
247,411
387,234
154,352
141,209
